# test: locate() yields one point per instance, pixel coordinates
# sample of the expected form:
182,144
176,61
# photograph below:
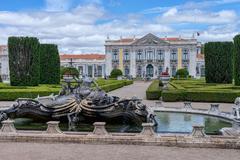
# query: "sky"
82,26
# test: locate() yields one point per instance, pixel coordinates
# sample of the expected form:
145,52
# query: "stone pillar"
214,109
133,63
187,105
198,131
108,61
53,128
193,61
147,129
93,68
167,59
8,127
99,128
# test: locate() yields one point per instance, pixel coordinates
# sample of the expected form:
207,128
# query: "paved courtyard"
34,151
139,88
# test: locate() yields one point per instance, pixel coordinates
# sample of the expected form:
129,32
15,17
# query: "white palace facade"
151,55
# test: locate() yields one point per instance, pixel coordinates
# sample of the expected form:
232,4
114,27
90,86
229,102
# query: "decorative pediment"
150,39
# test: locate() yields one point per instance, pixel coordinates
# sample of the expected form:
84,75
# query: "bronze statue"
80,103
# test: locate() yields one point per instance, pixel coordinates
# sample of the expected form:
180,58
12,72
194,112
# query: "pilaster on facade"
193,61
133,64
167,59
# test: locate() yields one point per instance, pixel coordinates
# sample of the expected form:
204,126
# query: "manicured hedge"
154,91
199,91
11,93
49,64
236,60
218,62
200,96
24,61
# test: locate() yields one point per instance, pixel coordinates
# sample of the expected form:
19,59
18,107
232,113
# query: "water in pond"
167,123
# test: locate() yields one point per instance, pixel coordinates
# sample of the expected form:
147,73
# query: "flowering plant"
164,74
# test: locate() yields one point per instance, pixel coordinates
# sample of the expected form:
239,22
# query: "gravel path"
33,151
139,89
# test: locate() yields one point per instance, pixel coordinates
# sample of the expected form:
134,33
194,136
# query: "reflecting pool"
167,123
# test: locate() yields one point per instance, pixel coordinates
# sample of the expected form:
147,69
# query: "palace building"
4,66
91,65
151,55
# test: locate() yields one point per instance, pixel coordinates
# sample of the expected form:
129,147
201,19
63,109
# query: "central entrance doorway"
149,70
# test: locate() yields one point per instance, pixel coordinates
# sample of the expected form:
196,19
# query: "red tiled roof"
2,47
82,56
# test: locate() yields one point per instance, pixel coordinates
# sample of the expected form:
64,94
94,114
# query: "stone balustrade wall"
53,134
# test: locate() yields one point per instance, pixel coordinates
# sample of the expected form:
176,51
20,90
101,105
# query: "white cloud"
170,12
197,16
85,27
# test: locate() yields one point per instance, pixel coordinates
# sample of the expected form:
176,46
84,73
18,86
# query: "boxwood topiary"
182,73
115,73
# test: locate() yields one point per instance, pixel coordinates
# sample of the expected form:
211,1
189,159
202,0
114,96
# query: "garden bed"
11,93
199,91
154,91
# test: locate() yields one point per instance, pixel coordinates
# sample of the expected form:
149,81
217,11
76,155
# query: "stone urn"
165,78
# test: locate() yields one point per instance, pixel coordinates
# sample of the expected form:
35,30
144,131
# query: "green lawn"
199,91
10,93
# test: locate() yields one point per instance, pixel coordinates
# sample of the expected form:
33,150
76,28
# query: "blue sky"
80,26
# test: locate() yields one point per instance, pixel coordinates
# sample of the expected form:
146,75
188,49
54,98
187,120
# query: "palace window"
185,54
160,69
149,55
160,55
139,54
126,70
174,55
126,55
115,54
139,71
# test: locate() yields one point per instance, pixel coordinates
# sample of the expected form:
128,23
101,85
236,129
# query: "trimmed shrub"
115,73
49,64
154,91
24,61
200,96
160,84
69,71
182,73
218,62
236,60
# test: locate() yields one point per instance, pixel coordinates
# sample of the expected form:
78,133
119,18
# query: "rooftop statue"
84,102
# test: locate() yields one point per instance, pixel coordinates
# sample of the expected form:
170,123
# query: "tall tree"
23,61
236,60
218,62
49,64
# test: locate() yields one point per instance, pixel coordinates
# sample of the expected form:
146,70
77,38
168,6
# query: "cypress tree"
49,64
236,60
218,62
23,61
